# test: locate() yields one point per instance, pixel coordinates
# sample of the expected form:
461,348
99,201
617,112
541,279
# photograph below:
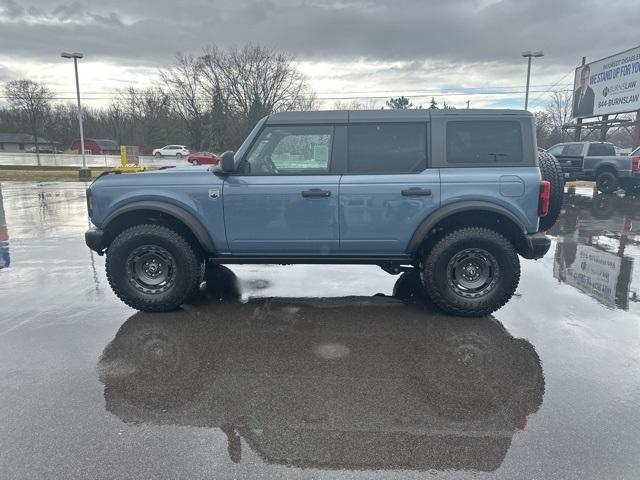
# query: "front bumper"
537,245
93,238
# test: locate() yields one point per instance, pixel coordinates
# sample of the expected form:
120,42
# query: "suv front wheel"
471,272
152,268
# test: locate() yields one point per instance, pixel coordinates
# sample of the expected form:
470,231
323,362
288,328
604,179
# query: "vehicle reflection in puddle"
330,383
597,244
5,258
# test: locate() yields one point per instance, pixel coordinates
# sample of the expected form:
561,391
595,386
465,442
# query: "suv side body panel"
377,217
268,214
189,189
514,187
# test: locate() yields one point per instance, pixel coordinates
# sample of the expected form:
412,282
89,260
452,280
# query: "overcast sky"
454,49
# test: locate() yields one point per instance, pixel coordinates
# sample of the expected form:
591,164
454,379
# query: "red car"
203,158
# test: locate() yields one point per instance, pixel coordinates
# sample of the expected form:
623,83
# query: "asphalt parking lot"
318,371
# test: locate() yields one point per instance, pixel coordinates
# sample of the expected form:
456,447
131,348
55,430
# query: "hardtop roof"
401,115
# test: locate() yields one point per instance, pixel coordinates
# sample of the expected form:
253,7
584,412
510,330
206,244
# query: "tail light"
635,164
545,198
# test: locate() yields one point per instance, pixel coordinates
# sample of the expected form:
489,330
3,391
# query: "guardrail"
65,160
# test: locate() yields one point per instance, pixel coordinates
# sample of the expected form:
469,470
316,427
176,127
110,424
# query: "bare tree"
256,80
559,109
33,100
183,82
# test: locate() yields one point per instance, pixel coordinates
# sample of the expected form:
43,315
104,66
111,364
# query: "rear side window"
601,150
484,142
572,149
387,148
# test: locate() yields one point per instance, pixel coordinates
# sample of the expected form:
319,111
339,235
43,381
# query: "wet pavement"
317,371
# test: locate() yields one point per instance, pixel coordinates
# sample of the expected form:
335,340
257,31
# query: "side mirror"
227,162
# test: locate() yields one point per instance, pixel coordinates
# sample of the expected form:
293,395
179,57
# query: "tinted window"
387,148
290,151
572,149
484,142
601,150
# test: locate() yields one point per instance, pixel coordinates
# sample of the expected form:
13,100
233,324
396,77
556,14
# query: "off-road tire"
187,268
607,181
436,277
552,172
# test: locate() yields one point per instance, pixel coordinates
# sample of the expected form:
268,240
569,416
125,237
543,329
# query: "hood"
192,175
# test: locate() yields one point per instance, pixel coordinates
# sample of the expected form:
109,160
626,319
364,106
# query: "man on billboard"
583,97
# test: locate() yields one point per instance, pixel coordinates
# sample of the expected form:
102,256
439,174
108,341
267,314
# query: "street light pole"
85,173
528,55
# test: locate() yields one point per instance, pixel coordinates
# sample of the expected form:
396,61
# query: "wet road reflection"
318,371
598,241
329,383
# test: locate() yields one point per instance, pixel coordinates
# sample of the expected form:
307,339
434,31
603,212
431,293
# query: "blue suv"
456,194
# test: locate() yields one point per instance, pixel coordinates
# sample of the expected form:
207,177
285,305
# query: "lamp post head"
71,55
529,54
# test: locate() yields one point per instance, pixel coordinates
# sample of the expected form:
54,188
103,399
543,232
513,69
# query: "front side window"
572,149
484,142
387,148
295,150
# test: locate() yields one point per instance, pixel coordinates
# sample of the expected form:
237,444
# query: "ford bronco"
456,194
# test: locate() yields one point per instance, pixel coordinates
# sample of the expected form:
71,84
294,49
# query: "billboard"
610,85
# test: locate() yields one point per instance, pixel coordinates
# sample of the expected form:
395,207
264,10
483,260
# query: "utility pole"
578,131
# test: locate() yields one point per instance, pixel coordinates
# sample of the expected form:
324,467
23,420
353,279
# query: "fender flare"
432,220
192,223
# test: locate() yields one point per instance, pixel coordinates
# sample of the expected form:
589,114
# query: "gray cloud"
456,31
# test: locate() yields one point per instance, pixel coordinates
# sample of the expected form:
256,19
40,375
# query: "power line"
362,92
359,97
538,99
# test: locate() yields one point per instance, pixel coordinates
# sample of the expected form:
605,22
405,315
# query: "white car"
177,151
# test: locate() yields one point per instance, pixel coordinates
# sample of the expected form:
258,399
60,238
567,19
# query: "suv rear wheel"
152,268
471,272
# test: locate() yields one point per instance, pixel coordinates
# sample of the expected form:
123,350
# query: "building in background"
96,146
23,142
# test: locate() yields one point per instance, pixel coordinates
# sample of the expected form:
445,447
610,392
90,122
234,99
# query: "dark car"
203,158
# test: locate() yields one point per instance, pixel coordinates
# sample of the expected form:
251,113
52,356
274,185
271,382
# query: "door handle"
416,192
316,193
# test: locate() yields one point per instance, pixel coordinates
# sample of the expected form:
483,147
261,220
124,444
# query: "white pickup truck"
598,161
